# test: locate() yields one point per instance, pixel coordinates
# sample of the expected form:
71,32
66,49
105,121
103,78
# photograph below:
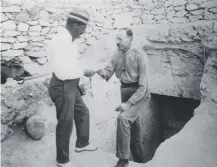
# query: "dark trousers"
129,136
69,106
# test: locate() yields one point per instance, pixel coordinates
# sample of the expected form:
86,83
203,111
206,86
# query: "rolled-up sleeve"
143,80
109,70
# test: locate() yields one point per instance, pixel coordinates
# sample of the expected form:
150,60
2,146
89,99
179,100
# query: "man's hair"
128,31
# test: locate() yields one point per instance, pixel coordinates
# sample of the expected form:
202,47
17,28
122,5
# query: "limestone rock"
179,2
170,14
36,28
192,6
3,17
147,17
45,30
36,39
44,23
42,60
123,20
20,45
197,12
11,9
178,20
178,8
10,16
32,48
11,33
34,13
210,41
23,27
23,17
38,54
8,40
44,15
50,10
181,13
33,23
9,25
35,127
13,53
23,38
5,132
172,67
158,11
213,10
5,46
34,34
195,18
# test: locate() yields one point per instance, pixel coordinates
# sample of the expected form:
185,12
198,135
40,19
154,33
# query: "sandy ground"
20,150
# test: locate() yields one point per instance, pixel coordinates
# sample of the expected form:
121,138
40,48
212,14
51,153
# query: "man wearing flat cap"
64,87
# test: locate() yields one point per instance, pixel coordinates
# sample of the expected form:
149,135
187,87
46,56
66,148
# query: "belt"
129,85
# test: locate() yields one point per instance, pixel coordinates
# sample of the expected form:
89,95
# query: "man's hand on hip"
123,107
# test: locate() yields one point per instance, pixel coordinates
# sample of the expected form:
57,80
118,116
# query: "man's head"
124,39
77,21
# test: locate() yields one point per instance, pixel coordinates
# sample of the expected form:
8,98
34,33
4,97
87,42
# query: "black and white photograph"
108,83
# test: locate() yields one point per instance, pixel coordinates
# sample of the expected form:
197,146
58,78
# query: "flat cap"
79,14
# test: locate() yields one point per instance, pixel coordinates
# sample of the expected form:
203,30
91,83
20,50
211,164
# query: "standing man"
130,66
64,87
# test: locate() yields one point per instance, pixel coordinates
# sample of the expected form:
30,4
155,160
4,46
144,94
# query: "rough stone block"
197,12
33,23
23,17
213,10
178,8
9,25
179,2
11,33
5,46
23,38
158,11
13,53
192,6
3,17
36,28
170,14
33,34
8,40
44,15
181,13
11,9
23,27
20,45
45,30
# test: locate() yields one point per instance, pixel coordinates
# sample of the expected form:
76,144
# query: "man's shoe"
122,163
68,164
89,147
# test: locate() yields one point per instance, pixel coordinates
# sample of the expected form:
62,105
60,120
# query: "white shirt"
63,56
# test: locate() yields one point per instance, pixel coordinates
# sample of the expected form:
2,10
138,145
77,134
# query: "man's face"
77,29
123,41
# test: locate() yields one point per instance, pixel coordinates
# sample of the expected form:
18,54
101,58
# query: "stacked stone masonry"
27,27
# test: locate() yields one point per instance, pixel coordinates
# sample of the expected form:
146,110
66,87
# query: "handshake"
90,73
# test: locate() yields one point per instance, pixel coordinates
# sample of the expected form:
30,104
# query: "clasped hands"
123,106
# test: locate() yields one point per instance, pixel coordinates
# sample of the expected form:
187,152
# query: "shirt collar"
128,51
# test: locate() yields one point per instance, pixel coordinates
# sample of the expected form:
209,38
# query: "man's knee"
122,119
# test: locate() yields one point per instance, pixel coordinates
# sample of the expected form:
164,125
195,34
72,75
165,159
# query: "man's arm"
108,71
143,79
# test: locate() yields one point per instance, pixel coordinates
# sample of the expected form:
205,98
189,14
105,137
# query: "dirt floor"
20,150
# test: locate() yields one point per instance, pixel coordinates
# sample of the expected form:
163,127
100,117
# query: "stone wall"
178,11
